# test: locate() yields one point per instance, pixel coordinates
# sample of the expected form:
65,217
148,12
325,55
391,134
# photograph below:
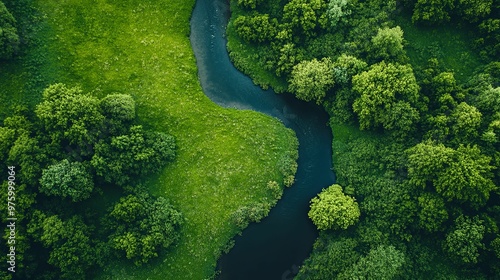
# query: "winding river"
275,247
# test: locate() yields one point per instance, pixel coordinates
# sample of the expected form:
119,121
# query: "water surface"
275,247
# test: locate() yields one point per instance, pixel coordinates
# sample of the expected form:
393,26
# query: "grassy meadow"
225,156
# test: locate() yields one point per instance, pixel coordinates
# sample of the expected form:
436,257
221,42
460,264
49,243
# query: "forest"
413,92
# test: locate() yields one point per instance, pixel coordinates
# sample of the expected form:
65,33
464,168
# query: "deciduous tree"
332,209
387,97
465,240
67,179
311,79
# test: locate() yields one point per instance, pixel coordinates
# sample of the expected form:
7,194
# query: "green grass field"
225,157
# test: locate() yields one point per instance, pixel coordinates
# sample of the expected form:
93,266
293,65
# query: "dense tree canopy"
73,144
462,174
465,239
383,262
137,152
9,40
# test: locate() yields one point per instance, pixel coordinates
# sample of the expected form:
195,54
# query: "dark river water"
274,248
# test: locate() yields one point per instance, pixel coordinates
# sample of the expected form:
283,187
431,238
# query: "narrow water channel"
274,248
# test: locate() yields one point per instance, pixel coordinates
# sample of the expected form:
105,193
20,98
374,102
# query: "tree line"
417,193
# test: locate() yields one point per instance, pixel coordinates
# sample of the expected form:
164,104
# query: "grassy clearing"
225,157
452,45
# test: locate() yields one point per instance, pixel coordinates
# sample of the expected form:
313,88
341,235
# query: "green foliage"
70,116
389,206
489,43
7,137
462,174
29,156
331,257
383,262
495,245
9,40
304,16
250,213
142,226
251,4
289,56
388,94
432,11
136,153
336,11
432,212
347,66
71,249
464,241
466,121
119,110
311,79
257,28
332,209
275,189
67,179
473,10
388,44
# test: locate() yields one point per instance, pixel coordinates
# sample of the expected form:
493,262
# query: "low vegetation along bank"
158,177
412,88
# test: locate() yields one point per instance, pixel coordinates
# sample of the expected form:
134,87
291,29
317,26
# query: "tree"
67,179
72,250
251,4
337,9
143,225
332,209
466,121
387,97
330,257
289,56
388,44
432,212
383,262
473,10
304,15
464,241
463,174
432,11
311,79
119,111
467,178
70,116
388,205
9,40
347,66
258,28
133,154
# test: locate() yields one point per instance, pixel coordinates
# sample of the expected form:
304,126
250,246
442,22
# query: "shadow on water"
275,247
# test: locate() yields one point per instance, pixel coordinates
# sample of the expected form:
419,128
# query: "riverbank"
226,157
